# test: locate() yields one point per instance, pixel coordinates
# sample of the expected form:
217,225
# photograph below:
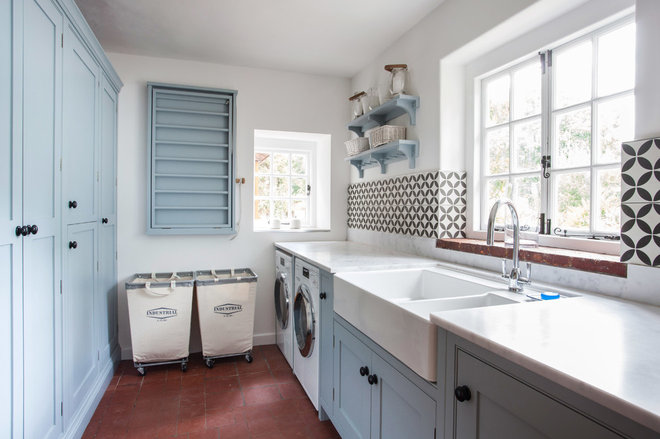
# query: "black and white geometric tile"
640,202
453,201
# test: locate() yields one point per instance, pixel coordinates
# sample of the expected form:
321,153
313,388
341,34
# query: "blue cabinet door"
42,331
399,408
80,349
352,404
106,293
326,353
80,94
11,216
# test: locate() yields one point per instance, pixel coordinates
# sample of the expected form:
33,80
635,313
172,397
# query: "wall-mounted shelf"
386,154
391,109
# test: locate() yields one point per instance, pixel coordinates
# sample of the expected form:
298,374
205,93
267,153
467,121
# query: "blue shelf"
386,154
391,109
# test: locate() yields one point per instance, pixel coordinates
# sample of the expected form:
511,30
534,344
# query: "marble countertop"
336,256
606,350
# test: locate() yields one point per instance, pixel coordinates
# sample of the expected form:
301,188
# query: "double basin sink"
393,307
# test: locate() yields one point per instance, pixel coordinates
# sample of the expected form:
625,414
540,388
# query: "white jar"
274,223
295,223
399,80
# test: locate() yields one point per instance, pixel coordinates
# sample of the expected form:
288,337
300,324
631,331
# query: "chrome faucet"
516,281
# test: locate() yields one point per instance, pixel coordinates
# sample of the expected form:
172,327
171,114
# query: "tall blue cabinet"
58,324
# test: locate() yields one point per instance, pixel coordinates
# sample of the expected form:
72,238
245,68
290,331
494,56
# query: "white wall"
267,99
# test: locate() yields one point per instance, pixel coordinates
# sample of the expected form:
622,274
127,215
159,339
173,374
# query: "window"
282,186
291,179
570,107
191,139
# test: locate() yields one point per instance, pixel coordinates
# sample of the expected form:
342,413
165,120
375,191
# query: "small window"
191,160
291,179
570,107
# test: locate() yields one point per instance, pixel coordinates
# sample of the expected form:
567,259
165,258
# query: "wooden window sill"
556,257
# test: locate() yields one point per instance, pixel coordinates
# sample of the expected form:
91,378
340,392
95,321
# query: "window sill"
556,257
287,230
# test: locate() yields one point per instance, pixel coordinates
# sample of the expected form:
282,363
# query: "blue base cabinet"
326,354
375,398
58,105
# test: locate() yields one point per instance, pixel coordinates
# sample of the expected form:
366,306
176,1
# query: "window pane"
262,162
609,200
497,101
281,186
572,138
281,163
300,210
497,189
616,60
261,211
572,70
262,186
572,200
527,145
527,199
299,164
527,91
281,209
615,125
497,151
298,187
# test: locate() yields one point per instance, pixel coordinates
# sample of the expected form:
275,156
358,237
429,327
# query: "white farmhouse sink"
393,307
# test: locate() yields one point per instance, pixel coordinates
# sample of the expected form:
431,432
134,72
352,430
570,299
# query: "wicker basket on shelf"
357,145
386,134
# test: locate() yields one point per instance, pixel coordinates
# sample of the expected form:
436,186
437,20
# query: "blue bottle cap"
549,295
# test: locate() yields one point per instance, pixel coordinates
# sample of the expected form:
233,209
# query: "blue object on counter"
549,296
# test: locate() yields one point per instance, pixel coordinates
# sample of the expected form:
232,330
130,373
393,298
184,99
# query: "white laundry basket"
159,310
225,303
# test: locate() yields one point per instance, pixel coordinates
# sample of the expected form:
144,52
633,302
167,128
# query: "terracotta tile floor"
235,399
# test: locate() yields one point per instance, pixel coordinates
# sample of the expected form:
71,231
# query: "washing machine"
284,304
306,328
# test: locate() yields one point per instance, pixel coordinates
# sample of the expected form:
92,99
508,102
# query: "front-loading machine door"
304,321
282,300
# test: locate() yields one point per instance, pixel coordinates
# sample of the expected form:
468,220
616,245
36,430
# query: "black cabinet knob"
22,231
73,244
104,221
373,379
462,393
323,296
364,371
73,204
33,229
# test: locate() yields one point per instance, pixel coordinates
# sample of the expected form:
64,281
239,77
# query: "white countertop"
335,256
606,350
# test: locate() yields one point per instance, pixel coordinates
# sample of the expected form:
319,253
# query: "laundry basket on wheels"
225,303
159,310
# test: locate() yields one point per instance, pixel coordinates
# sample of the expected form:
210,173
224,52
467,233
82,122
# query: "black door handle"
373,379
104,221
323,296
73,204
22,231
364,371
462,393
33,229
73,244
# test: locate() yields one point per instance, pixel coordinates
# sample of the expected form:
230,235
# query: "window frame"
547,115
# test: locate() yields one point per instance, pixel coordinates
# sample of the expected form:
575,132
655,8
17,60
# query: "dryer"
306,328
283,295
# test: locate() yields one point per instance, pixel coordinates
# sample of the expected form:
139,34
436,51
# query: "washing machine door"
304,321
282,300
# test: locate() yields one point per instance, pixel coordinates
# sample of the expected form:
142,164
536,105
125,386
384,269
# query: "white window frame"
480,194
310,152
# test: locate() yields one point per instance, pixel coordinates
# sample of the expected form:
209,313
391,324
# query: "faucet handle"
528,278
504,273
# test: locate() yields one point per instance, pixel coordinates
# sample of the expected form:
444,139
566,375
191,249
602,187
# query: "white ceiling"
335,37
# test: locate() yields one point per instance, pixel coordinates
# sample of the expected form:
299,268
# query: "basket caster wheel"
184,367
248,358
141,371
210,362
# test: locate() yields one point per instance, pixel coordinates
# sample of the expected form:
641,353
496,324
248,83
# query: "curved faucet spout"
514,276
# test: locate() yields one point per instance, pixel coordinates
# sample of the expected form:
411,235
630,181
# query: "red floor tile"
234,399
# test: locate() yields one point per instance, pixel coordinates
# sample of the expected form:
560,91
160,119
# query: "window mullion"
594,123
546,124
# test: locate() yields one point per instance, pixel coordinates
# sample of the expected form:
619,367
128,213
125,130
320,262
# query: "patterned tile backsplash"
640,202
428,204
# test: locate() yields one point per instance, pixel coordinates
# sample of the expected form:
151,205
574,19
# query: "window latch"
546,164
309,190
